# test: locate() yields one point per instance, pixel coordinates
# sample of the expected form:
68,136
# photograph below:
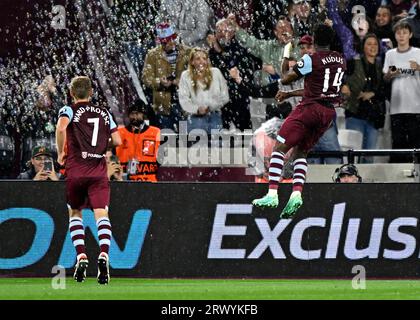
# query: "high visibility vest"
139,149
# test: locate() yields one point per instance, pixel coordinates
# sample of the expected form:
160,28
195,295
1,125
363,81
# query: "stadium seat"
350,139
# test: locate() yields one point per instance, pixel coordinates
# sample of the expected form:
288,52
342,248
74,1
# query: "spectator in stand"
365,89
273,54
370,8
414,21
402,67
161,72
203,92
347,173
41,166
360,28
114,168
264,17
399,8
244,9
140,143
303,17
343,31
225,54
192,19
383,28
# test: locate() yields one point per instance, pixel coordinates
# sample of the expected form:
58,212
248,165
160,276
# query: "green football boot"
267,201
292,206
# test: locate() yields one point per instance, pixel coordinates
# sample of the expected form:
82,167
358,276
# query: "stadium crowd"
203,62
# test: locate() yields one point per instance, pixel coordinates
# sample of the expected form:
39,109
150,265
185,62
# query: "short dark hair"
323,35
402,24
80,87
368,36
138,105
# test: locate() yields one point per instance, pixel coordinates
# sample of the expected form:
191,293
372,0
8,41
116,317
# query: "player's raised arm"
301,68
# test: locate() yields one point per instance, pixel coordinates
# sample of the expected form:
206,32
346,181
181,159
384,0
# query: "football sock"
274,172
77,233
104,234
300,167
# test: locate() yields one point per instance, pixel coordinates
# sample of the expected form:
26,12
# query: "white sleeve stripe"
112,123
281,139
66,112
306,65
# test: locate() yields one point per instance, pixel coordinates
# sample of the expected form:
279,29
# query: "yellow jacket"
156,67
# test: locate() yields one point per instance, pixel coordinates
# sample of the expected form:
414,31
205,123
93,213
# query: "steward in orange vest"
140,143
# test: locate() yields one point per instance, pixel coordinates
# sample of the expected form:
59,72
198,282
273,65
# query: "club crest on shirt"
84,154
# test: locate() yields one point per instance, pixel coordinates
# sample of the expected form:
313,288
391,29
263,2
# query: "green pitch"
181,289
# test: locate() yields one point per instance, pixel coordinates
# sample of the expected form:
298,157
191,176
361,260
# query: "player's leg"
315,120
75,201
289,135
104,235
99,194
300,168
77,233
271,200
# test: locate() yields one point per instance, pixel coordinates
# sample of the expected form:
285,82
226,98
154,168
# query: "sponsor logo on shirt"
92,155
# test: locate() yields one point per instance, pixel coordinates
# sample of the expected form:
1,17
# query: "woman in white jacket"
202,93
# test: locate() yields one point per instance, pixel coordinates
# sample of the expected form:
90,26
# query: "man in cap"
41,166
140,142
161,72
347,173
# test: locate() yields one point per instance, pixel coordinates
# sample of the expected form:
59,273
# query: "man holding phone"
41,166
402,70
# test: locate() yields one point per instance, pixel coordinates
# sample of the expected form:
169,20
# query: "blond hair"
207,76
80,87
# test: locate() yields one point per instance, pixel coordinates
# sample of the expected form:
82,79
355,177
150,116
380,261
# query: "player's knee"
74,213
281,147
101,213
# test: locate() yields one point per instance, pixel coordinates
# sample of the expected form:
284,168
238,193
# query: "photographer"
41,166
161,73
365,93
114,168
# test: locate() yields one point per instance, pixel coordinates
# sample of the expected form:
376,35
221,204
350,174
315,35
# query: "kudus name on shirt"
80,111
332,59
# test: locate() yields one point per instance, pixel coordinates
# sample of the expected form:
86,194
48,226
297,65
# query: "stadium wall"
211,230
